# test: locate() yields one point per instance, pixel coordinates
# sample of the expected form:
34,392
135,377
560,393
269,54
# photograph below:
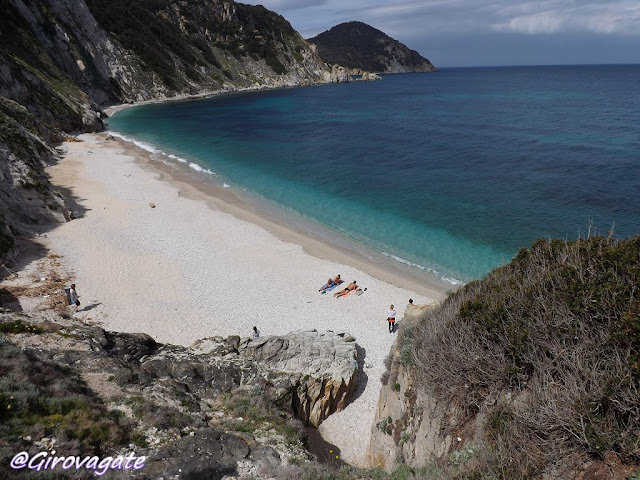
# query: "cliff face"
26,197
62,60
358,45
532,370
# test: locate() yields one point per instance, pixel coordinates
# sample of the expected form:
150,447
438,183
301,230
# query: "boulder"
322,367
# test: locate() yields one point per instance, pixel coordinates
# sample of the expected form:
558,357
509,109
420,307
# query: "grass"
402,472
253,411
39,399
18,326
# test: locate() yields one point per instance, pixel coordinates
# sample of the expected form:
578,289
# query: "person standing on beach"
391,318
74,297
255,333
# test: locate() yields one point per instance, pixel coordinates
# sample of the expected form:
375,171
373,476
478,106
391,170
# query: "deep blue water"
453,171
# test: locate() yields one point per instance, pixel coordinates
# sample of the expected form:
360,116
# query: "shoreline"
192,184
112,109
330,245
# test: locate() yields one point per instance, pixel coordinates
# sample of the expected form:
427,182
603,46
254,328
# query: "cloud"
538,23
611,18
468,16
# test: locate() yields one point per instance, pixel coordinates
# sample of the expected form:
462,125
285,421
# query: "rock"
325,365
130,347
338,74
368,76
207,454
180,396
152,205
264,456
319,370
49,326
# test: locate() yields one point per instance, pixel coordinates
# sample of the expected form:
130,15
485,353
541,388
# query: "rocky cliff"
64,59
531,372
26,198
225,406
61,61
360,46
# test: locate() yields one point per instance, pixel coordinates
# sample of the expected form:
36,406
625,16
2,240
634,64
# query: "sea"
446,173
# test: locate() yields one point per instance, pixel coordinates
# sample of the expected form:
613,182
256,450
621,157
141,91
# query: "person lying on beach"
332,282
326,285
347,289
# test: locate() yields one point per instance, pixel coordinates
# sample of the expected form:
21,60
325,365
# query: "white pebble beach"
153,254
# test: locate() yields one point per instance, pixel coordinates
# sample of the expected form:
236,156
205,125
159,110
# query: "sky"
454,33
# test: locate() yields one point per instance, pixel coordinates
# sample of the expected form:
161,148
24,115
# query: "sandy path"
184,271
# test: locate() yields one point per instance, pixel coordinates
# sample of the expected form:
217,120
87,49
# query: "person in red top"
391,318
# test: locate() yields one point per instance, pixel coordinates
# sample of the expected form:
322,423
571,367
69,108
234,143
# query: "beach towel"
328,289
347,294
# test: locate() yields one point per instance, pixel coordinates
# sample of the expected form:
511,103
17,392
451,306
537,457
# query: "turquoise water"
450,172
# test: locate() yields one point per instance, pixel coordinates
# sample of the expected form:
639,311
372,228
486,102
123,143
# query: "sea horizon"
538,65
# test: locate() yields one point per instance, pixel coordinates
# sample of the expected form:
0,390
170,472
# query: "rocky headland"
357,45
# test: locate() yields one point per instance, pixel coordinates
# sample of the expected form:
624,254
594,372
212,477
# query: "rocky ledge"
224,407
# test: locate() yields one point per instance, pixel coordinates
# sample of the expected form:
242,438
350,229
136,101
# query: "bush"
40,398
558,328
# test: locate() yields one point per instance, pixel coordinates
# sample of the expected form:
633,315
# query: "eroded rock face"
27,199
409,427
322,366
318,370
218,408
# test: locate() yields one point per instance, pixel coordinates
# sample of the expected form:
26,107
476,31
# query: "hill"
358,45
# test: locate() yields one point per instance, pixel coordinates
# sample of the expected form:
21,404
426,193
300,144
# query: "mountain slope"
358,45
61,61
61,57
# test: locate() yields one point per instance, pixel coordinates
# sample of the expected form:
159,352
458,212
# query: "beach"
152,252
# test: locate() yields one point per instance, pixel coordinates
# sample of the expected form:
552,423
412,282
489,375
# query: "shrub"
558,328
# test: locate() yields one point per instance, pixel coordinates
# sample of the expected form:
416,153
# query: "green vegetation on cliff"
358,45
171,37
547,350
39,399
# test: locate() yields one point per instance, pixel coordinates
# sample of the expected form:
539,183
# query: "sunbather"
329,284
332,282
347,289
